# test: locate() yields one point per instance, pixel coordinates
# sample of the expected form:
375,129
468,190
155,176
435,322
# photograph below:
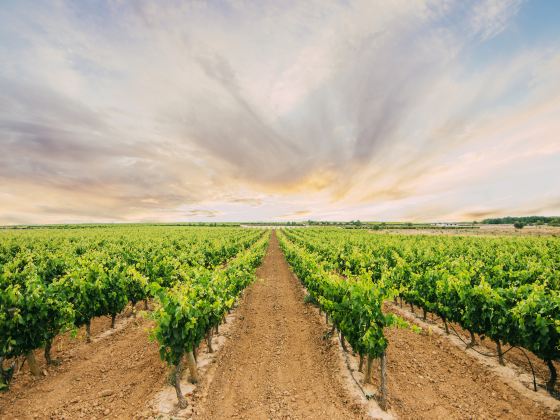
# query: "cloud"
491,17
483,214
202,212
296,214
358,109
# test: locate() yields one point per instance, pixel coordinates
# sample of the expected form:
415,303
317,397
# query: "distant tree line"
522,221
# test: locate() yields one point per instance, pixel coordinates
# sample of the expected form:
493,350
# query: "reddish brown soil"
112,377
277,365
486,346
430,378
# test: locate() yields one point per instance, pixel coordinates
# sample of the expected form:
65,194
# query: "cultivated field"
483,230
227,322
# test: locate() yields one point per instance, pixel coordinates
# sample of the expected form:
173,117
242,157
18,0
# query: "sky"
238,110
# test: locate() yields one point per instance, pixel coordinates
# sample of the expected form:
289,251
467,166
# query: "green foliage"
135,285
179,324
504,288
115,289
527,220
538,318
354,305
54,280
30,311
84,288
200,301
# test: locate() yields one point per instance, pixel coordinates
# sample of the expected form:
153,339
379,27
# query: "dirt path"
112,377
277,364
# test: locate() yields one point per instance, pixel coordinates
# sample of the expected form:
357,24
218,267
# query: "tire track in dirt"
277,364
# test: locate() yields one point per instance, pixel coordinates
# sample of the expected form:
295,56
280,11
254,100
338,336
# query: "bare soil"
278,364
109,378
431,377
481,230
516,356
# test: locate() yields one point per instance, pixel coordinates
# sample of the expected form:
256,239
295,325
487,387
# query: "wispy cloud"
202,212
298,214
491,17
159,111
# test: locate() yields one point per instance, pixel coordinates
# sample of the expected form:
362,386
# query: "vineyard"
186,280
52,284
504,289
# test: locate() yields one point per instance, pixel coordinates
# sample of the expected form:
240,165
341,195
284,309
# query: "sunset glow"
417,110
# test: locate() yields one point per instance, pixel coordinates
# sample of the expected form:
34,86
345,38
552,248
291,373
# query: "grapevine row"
189,311
53,282
353,304
506,289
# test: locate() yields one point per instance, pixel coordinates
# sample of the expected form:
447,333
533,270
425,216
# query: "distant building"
445,224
